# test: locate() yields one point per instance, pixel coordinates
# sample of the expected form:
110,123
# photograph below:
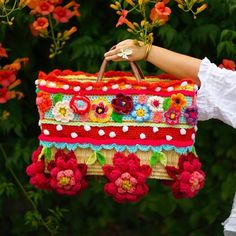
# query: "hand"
137,48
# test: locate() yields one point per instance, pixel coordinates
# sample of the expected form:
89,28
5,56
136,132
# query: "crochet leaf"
166,104
48,154
158,157
57,98
117,117
101,158
163,158
92,159
155,158
194,151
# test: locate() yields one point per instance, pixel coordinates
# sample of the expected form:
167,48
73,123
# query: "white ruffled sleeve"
216,98
217,95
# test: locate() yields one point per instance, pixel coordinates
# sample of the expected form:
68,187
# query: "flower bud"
113,6
201,8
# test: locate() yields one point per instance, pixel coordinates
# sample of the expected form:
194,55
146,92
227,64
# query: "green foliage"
212,34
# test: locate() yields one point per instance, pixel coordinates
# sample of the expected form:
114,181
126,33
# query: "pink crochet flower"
38,178
172,116
67,177
188,178
127,178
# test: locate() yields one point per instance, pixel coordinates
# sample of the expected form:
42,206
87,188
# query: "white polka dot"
101,132
65,86
158,89
36,82
46,132
115,86
112,134
74,135
87,128
155,129
59,128
52,85
143,88
142,136
89,88
104,88
169,89
183,131
183,84
42,83
168,137
76,88
128,86
125,128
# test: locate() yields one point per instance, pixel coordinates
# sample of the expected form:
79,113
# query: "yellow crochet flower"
100,111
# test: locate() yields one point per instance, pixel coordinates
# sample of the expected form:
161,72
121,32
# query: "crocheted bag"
118,125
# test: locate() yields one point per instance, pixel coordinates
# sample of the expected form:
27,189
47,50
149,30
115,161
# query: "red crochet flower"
188,178
122,104
67,176
38,178
127,178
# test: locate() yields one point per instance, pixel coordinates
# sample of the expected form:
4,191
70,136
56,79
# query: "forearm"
176,64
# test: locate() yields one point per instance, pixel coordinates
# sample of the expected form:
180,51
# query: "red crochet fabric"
188,178
127,178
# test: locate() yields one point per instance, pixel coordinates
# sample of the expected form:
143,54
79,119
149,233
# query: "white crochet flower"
62,111
155,103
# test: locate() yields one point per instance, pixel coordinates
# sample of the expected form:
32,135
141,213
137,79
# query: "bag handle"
134,66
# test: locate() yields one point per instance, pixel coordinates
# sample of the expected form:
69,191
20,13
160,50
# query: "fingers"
113,54
113,58
127,42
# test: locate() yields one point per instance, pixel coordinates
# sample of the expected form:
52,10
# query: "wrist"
147,51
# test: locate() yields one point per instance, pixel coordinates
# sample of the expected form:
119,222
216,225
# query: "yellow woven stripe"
108,124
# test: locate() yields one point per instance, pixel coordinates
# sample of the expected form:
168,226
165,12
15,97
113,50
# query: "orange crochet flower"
178,101
43,101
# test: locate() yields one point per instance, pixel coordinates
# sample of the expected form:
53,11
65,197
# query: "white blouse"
216,99
217,95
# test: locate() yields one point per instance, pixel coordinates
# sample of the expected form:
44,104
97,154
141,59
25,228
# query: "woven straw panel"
158,172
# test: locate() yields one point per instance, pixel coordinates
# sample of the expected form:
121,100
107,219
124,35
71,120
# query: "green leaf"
33,219
163,158
92,159
194,151
48,154
7,188
117,117
101,158
166,104
228,35
226,49
155,158
57,98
